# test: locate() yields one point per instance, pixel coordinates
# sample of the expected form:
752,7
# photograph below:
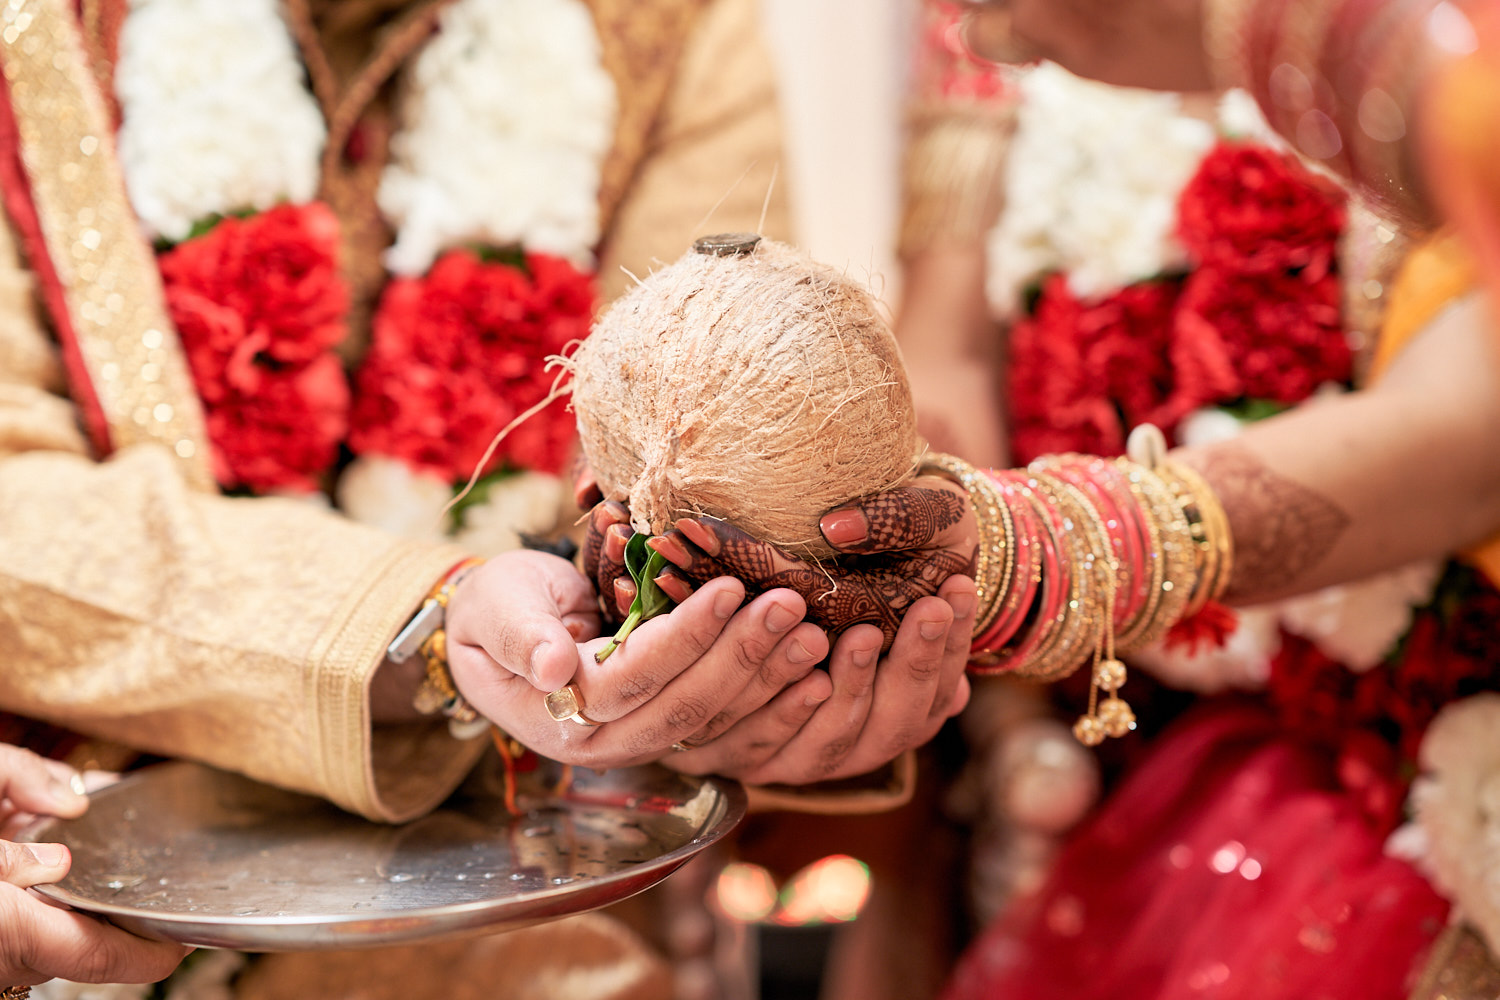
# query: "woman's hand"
905,543
39,941
525,624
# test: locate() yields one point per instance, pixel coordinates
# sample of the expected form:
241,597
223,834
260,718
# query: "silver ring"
681,747
566,705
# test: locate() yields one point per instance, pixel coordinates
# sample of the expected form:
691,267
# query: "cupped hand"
524,624
864,712
39,941
900,546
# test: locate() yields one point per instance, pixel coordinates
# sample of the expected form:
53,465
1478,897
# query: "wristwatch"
426,635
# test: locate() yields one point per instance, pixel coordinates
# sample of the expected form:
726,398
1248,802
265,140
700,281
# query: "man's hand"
524,624
39,941
865,711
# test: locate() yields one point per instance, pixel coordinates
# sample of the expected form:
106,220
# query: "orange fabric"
1435,274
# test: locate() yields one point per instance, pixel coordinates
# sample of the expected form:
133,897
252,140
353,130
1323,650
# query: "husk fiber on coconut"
753,385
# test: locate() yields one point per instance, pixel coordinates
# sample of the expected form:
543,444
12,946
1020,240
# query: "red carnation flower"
1083,374
1251,209
461,353
259,303
1281,332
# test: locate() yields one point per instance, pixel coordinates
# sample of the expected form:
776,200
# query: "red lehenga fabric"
1236,862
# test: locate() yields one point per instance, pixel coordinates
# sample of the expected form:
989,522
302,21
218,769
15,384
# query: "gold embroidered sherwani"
138,607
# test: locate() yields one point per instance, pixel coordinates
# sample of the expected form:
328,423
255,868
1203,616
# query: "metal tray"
186,853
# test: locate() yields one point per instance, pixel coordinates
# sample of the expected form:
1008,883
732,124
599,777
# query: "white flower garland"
1457,806
386,493
216,116
1091,186
509,116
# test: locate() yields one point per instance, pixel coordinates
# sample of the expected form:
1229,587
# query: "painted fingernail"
726,603
674,587
799,653
50,855
614,543
624,595
933,630
671,549
844,527
962,605
780,618
699,535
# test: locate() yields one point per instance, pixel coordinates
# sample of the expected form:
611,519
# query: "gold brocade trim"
1459,968
343,659
641,42
109,277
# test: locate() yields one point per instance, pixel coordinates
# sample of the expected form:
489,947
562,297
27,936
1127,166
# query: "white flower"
1359,623
1240,118
387,493
524,503
1457,803
507,120
1242,663
1091,188
215,114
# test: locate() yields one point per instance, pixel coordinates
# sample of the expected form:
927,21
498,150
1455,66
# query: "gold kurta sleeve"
717,136
243,633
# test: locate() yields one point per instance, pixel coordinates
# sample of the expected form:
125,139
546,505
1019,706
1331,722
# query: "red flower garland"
1258,317
259,304
460,353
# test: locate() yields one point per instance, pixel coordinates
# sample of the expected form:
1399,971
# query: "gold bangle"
1209,525
994,560
1084,616
1173,557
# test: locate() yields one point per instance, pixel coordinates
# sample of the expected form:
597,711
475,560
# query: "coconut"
744,381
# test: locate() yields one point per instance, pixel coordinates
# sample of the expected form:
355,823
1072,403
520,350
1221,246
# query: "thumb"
37,785
516,610
26,865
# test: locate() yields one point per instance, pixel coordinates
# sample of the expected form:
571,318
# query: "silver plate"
190,854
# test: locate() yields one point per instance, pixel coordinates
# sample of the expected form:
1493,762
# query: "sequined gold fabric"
109,276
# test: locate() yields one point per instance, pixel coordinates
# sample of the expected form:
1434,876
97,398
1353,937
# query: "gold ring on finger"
566,705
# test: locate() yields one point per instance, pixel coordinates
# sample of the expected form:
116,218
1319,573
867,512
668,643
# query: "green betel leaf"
644,564
637,554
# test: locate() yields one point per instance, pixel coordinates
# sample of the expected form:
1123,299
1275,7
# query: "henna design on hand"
907,519
1281,528
852,590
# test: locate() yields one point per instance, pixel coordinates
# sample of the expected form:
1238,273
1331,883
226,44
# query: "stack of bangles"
1082,558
